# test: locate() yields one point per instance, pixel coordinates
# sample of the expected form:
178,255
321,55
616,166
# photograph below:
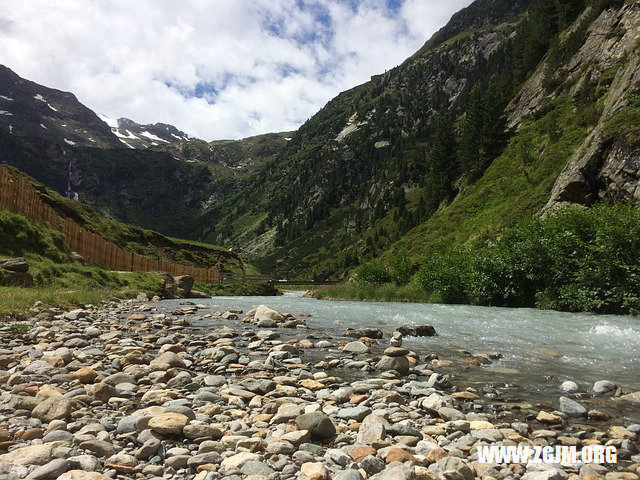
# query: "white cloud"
267,65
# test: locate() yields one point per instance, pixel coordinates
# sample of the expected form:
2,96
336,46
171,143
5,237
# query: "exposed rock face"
15,272
34,110
607,164
15,265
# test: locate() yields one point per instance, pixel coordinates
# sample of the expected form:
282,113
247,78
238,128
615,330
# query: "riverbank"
66,283
372,293
179,390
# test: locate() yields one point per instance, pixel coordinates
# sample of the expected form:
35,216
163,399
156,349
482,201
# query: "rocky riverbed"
136,390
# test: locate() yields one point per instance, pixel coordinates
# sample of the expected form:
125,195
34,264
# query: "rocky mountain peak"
135,135
28,109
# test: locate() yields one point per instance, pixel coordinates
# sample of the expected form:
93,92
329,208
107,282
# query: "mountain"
134,135
230,153
465,138
513,107
31,110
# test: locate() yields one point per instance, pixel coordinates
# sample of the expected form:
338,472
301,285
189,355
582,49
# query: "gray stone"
338,457
58,436
569,386
354,413
372,464
399,364
349,475
397,472
18,264
603,387
454,464
317,423
51,470
356,347
127,424
550,474
417,331
266,323
375,333
396,352
571,407
256,467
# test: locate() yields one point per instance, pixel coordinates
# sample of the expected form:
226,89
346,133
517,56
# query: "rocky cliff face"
134,135
31,110
607,67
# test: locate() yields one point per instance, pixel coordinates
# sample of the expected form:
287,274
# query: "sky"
213,68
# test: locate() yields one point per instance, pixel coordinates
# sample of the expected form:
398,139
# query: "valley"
441,263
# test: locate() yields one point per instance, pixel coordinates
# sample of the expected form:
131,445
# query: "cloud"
213,68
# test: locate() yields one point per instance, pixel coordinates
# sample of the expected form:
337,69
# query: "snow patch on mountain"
112,122
151,136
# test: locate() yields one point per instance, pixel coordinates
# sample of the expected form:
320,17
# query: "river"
540,349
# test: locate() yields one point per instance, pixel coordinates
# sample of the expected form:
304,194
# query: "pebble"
130,390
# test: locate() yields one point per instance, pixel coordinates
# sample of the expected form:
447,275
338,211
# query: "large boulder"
25,456
264,313
169,423
373,429
571,407
399,364
53,408
15,265
417,330
604,387
184,284
16,279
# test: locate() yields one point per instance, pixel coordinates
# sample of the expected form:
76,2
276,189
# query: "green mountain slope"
142,241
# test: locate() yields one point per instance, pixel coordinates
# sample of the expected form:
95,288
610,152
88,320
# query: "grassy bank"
577,259
238,289
61,281
375,293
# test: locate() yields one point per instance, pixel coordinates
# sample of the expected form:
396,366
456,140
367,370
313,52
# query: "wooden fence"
18,194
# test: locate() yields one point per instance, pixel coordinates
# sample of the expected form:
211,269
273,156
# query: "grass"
62,282
16,300
237,289
411,293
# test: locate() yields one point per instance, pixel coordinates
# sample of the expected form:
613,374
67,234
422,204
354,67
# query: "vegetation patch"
576,259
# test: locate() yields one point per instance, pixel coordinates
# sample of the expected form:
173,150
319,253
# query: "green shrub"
401,268
372,273
576,259
445,274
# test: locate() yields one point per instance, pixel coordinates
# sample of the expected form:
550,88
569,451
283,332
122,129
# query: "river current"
540,349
